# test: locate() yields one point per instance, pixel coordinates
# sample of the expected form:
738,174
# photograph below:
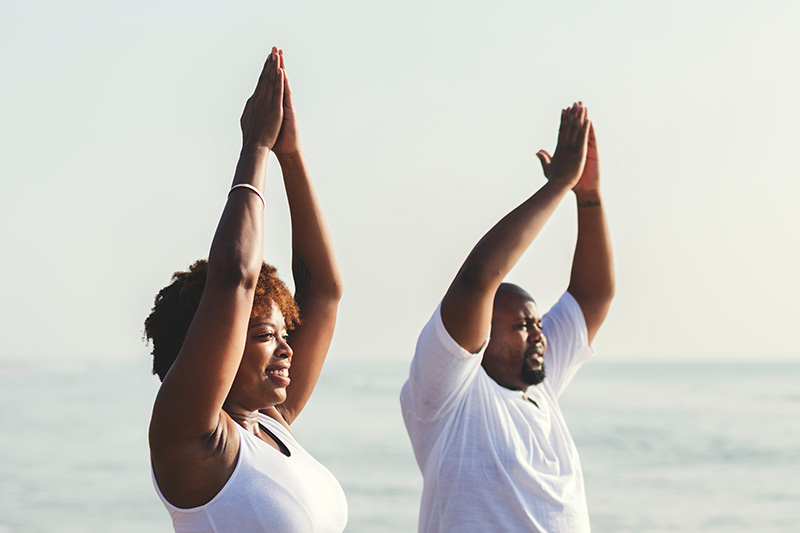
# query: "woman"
223,456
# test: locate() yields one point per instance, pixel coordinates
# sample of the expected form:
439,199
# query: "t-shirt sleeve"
567,342
440,374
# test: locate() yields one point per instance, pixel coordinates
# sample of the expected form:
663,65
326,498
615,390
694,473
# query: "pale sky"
420,121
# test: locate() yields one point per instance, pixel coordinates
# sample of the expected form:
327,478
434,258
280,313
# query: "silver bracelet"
252,188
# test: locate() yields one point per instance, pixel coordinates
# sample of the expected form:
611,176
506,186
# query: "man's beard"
532,376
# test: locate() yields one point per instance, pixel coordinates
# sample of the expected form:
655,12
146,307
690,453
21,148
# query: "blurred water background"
665,446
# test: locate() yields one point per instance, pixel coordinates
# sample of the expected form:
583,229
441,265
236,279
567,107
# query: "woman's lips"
279,375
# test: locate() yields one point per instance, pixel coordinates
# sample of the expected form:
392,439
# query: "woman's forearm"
236,250
315,269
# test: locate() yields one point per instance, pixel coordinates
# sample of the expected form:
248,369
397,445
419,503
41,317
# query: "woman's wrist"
288,159
254,150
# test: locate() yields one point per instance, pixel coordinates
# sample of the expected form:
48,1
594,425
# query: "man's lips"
536,354
535,360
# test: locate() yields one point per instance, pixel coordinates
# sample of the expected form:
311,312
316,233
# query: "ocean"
689,447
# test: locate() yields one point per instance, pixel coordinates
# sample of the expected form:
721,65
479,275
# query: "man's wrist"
588,198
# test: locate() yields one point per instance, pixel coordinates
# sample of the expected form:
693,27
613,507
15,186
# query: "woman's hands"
570,160
269,119
288,142
263,113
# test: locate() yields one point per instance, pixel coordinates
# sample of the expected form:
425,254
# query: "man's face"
514,357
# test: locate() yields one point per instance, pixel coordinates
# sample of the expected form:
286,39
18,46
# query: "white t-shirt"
491,460
269,492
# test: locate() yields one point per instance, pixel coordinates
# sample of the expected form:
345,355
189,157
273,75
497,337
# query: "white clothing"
490,459
269,492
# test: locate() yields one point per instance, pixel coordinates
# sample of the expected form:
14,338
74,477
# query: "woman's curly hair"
176,304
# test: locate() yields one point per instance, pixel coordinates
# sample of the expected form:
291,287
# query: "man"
483,416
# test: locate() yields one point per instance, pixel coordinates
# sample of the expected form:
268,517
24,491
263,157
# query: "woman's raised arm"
188,408
318,282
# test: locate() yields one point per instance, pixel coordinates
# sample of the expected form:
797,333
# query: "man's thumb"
545,158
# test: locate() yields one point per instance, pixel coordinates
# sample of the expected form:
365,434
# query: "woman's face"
264,371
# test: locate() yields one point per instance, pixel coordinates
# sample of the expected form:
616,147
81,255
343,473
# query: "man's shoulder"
440,374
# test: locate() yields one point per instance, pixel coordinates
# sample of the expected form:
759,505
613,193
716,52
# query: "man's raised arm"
592,278
467,305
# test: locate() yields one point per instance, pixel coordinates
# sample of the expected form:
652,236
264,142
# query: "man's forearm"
502,246
592,279
467,306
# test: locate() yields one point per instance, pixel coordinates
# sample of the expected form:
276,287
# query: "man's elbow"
474,278
607,291
597,296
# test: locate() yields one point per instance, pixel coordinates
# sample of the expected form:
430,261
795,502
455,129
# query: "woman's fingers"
287,92
272,68
263,79
263,112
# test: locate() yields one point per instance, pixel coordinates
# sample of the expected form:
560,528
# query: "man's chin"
533,376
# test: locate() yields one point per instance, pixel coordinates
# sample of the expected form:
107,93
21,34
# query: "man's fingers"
578,115
579,125
544,156
563,129
585,129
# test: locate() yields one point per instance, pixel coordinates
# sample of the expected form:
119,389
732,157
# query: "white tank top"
269,491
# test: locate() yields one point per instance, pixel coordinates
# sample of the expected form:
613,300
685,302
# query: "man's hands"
590,179
570,160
